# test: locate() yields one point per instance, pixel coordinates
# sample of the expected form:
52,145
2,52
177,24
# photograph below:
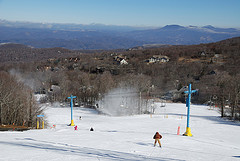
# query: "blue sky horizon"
218,13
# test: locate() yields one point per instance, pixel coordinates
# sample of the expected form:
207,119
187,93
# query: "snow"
125,138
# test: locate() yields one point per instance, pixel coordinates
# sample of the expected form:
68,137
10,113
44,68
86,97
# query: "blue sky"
220,13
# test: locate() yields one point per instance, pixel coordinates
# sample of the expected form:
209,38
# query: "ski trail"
82,151
214,143
194,151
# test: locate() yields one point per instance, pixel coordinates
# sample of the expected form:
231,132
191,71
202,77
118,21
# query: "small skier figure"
91,129
157,138
75,128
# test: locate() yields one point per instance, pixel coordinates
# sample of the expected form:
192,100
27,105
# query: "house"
121,59
217,58
203,54
123,62
158,58
54,89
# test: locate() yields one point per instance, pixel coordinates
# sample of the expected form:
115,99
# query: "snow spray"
120,102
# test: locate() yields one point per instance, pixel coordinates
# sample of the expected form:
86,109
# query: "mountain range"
99,36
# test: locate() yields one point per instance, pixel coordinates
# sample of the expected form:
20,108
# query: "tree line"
17,103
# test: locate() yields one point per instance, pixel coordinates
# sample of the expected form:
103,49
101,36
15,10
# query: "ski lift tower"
188,102
72,97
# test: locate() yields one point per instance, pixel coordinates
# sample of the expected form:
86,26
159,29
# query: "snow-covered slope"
126,138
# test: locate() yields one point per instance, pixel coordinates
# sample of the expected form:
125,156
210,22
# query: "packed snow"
126,138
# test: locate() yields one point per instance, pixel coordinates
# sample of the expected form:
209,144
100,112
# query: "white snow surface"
126,138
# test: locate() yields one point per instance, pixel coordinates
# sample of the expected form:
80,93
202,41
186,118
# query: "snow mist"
120,102
29,82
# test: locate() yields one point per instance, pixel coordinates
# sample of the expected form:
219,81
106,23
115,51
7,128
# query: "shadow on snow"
217,119
83,151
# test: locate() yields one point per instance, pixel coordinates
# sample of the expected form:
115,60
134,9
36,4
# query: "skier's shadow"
143,144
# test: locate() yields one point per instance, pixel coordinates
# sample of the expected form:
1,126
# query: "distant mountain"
83,39
98,36
172,27
68,26
219,30
13,46
179,35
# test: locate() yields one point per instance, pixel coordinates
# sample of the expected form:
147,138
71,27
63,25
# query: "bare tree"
17,104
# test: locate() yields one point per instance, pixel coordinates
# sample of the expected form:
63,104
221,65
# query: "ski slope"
126,138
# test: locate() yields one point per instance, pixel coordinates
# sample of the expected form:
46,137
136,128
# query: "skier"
157,138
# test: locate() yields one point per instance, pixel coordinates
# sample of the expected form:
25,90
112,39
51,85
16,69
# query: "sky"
219,13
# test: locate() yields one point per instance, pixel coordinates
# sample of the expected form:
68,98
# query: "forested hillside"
154,72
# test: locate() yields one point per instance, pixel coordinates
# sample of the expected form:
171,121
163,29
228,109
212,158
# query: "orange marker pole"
178,131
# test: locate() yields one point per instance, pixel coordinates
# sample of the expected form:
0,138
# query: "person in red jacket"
157,138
